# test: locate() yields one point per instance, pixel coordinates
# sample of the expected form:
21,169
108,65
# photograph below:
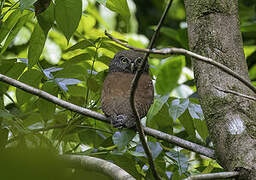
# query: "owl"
115,97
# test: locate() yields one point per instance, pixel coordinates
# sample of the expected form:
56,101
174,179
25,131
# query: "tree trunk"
214,31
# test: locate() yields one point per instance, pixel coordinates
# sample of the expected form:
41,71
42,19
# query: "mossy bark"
214,31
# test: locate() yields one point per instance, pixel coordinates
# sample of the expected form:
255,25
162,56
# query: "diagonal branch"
222,175
180,142
86,112
133,87
197,57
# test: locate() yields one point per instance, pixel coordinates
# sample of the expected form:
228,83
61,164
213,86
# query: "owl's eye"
123,59
139,60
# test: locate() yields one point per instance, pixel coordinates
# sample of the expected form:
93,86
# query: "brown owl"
116,89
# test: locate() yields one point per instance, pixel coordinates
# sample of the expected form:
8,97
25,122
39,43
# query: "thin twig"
90,76
236,93
133,87
87,112
222,175
171,51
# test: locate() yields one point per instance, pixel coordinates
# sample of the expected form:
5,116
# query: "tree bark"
214,31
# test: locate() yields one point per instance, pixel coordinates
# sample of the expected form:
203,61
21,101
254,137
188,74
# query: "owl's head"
127,61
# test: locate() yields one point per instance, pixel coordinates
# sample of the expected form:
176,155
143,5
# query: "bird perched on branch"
115,97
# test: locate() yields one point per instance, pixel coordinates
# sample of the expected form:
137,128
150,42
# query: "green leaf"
14,72
3,137
157,105
81,45
187,122
124,161
92,84
252,72
121,139
63,83
111,46
180,159
162,121
46,108
36,45
169,74
177,10
68,14
249,50
201,128
171,33
195,111
15,31
34,121
25,4
178,107
31,77
155,148
102,2
48,72
79,58
71,71
5,114
91,137
46,18
6,65
209,168
120,7
1,98
86,24
77,91
9,24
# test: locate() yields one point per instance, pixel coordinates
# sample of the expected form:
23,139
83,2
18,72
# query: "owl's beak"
132,67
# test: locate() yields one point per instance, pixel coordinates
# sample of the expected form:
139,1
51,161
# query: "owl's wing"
144,95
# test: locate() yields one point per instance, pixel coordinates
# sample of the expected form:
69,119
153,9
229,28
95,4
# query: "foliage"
64,51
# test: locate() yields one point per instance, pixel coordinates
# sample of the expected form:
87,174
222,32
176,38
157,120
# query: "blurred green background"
64,51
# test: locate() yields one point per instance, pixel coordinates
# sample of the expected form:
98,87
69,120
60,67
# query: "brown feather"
115,98
116,93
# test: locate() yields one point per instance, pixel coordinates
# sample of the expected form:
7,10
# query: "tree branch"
95,164
171,51
133,87
235,93
223,175
151,132
52,98
180,142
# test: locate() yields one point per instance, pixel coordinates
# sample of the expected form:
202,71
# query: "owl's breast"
116,93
